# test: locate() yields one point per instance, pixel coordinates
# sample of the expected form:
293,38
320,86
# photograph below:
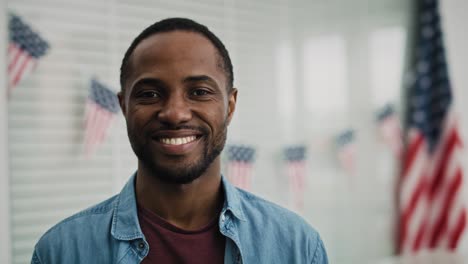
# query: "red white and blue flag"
432,206
102,106
295,157
25,49
240,165
390,129
346,150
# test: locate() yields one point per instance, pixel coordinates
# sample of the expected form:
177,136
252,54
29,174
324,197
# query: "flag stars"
104,96
241,153
425,82
22,35
296,153
422,67
418,101
440,58
427,32
419,116
427,17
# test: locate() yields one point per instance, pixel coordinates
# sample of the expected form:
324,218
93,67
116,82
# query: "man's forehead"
175,43
176,47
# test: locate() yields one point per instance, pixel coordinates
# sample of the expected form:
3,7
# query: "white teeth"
177,141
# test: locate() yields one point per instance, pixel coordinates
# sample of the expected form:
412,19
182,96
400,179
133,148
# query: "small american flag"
25,48
240,166
346,150
101,108
390,129
432,206
295,157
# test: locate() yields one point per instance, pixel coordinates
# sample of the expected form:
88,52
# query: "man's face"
176,105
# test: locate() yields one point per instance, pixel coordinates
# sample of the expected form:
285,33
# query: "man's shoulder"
255,206
81,223
73,237
282,228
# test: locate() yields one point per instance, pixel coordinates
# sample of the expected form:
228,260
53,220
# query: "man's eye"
149,94
200,92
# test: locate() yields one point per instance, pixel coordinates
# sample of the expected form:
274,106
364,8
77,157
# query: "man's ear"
232,100
121,97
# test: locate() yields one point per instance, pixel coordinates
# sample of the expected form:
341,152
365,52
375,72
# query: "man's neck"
187,206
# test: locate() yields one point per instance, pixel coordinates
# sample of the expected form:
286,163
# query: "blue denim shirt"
257,231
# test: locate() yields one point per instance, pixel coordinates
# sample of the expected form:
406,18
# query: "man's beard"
186,173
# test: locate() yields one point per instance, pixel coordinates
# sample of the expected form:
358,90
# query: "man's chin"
169,175
177,179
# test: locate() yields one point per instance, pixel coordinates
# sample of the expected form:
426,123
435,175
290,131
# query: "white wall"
455,21
5,239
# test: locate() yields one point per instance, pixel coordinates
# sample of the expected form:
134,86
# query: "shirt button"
141,245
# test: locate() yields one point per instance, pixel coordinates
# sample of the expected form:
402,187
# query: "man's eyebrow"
149,81
200,78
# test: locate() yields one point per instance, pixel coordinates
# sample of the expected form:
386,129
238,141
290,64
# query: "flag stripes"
101,108
390,129
432,206
24,50
295,157
346,150
240,166
431,203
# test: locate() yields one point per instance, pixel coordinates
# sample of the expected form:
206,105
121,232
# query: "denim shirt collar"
125,224
232,200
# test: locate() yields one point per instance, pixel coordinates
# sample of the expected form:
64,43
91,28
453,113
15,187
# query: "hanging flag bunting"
295,157
25,49
431,202
390,129
346,150
102,106
240,165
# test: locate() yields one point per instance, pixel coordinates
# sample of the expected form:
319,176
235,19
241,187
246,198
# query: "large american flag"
346,150
295,157
390,129
240,165
432,210
101,108
24,50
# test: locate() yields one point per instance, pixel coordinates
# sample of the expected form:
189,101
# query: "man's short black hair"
174,24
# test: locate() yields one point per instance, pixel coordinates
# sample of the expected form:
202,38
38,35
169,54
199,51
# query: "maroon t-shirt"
170,244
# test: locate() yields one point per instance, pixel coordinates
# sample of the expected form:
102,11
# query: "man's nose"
175,111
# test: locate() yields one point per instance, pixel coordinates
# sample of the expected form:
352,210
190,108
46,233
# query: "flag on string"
295,157
25,49
431,204
390,129
102,106
240,165
346,150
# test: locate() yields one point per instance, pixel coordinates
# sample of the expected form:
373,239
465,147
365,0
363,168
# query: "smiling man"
178,98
